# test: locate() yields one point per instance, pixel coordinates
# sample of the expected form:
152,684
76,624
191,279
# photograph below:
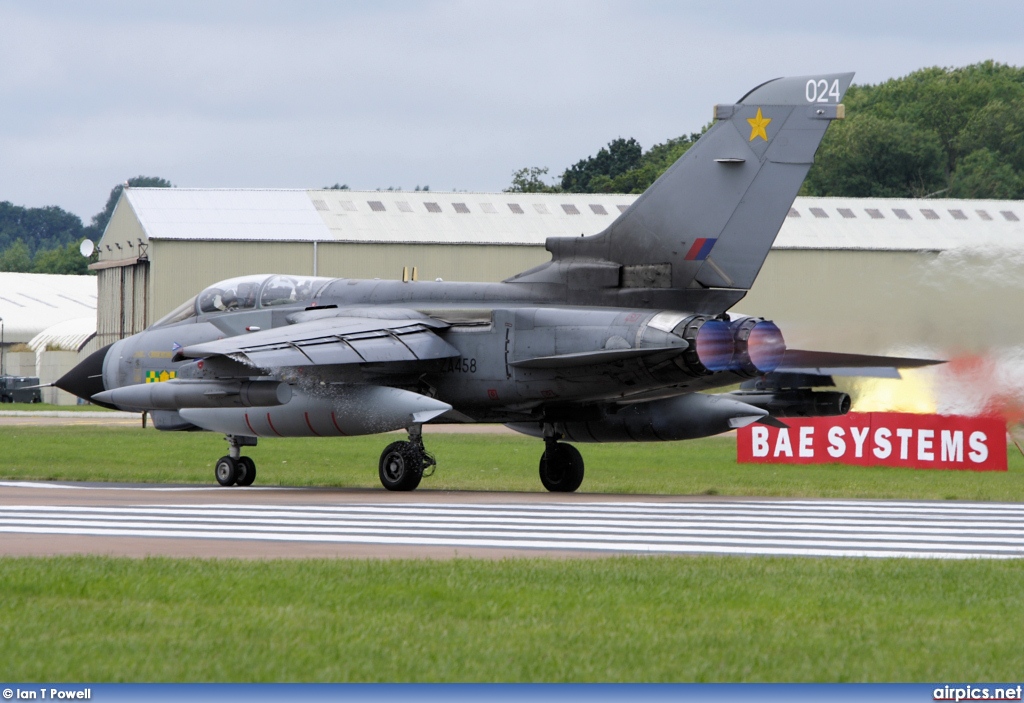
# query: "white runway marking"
54,485
777,527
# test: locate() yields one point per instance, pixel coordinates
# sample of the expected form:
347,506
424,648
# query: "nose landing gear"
404,464
235,469
561,465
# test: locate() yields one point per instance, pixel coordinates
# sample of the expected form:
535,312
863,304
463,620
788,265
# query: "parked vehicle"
19,389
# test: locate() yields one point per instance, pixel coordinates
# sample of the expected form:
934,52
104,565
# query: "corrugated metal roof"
69,335
529,218
463,218
891,224
33,302
190,213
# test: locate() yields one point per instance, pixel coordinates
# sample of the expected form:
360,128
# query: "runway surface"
38,518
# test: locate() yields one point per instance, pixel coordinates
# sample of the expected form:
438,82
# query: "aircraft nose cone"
86,379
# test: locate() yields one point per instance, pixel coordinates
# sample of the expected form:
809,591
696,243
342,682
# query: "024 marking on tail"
612,340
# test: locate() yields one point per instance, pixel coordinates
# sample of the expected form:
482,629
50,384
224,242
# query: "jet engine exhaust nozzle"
750,346
759,345
715,346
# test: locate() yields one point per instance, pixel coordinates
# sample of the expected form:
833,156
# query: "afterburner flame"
973,385
914,393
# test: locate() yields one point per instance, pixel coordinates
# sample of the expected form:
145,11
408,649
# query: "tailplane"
696,239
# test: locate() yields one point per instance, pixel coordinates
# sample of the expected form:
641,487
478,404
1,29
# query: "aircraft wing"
840,364
343,339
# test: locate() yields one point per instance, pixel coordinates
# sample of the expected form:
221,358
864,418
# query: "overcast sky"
456,95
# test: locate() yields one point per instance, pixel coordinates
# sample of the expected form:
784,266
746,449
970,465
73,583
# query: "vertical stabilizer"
702,231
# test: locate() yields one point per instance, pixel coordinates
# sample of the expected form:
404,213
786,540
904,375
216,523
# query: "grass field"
607,619
623,619
474,462
41,407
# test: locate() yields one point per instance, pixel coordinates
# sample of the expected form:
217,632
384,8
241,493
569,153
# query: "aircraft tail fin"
696,239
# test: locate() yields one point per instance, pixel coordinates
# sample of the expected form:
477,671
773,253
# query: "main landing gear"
404,464
561,465
235,469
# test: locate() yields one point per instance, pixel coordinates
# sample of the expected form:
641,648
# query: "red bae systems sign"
879,439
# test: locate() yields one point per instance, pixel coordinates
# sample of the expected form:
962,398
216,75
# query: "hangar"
45,320
862,275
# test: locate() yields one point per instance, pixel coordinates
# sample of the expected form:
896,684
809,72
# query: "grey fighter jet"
613,340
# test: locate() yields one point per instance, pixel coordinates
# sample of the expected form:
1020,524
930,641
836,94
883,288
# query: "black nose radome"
86,379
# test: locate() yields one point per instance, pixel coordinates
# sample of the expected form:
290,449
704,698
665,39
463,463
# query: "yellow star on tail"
757,125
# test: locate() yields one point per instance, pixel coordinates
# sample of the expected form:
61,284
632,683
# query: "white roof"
902,224
191,213
32,302
529,218
69,335
369,216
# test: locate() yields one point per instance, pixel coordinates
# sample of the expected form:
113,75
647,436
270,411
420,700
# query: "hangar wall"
124,301
877,302
183,268
124,293
452,262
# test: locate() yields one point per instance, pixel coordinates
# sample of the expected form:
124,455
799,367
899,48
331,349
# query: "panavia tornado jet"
616,339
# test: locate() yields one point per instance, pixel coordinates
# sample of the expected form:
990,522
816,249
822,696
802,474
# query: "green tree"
982,175
998,127
966,109
16,258
872,157
100,219
941,100
65,260
621,155
530,180
616,168
38,228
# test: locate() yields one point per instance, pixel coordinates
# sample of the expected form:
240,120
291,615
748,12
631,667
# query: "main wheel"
226,471
563,471
401,466
246,471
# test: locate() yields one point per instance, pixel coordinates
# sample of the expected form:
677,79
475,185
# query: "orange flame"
990,384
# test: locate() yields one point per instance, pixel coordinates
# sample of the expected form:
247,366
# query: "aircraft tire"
226,471
562,473
401,466
246,471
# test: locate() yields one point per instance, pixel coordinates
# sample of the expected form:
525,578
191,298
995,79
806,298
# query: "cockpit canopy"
247,293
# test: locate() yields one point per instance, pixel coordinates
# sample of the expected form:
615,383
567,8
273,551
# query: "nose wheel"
561,467
235,469
404,464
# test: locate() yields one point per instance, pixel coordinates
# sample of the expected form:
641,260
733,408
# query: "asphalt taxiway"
39,518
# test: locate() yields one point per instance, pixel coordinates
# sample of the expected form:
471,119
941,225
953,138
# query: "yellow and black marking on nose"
158,376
